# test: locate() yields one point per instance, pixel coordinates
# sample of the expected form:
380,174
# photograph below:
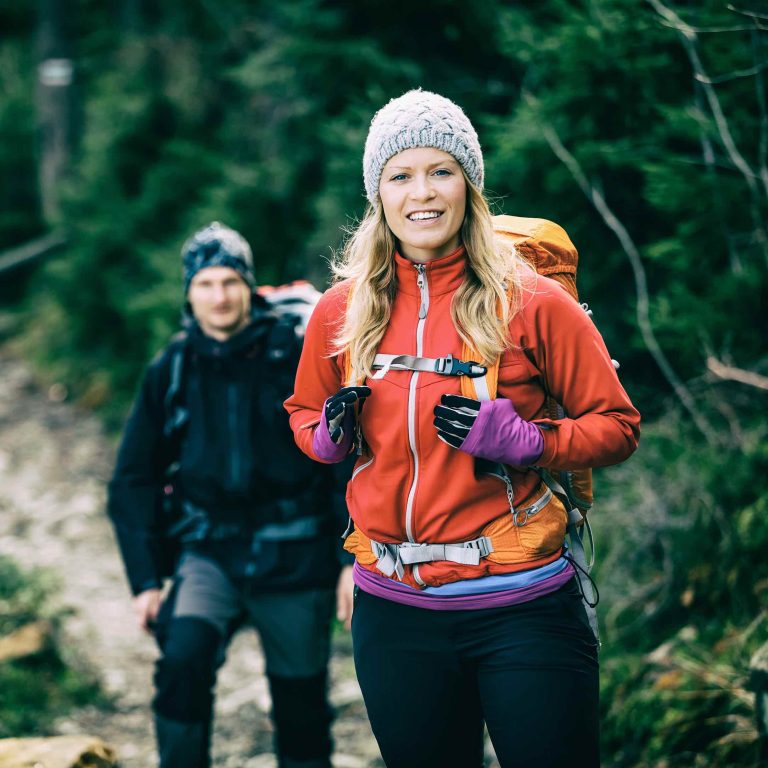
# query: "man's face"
220,301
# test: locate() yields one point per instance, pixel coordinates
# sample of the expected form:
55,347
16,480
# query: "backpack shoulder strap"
176,412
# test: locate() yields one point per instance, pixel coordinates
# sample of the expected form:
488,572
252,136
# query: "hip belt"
497,542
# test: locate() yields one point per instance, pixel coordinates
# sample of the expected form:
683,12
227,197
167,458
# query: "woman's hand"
332,440
339,410
491,430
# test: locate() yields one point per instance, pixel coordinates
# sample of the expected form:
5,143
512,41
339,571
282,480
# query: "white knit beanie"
420,119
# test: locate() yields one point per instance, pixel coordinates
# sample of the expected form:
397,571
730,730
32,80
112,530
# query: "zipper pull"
420,283
510,495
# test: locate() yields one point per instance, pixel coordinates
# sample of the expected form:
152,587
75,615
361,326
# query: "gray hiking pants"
294,628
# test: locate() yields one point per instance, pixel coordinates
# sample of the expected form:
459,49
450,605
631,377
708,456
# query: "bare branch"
750,14
34,249
723,371
688,36
641,285
706,30
762,149
757,69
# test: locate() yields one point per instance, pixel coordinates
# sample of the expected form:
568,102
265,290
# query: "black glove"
454,418
341,405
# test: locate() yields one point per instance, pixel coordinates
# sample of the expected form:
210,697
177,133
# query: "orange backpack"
548,249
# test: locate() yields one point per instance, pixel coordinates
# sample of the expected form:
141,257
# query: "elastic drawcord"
573,562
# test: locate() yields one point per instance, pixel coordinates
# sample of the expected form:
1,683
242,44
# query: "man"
210,488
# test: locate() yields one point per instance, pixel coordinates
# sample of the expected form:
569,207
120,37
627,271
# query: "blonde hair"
481,309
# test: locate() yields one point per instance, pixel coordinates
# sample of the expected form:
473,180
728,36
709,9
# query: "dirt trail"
54,464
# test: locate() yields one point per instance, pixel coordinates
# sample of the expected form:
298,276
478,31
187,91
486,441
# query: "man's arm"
345,588
135,489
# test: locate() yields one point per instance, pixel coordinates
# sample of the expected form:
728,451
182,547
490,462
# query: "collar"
444,275
241,342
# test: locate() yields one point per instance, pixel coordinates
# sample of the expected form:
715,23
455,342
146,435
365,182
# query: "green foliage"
682,535
685,704
255,115
22,595
38,688
19,207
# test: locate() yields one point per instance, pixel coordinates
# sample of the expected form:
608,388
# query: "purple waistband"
381,586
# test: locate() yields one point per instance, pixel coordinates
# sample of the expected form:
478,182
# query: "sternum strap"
446,366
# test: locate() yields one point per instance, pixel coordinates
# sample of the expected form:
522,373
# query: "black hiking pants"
294,628
432,679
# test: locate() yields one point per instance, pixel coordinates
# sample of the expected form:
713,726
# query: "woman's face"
424,197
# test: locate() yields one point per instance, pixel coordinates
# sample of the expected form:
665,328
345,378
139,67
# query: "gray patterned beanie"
217,246
420,119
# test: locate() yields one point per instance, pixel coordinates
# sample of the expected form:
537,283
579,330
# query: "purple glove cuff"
499,434
322,445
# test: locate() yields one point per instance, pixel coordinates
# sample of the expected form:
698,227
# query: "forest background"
639,126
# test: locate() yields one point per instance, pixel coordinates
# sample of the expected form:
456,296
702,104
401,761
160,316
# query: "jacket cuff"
548,430
322,445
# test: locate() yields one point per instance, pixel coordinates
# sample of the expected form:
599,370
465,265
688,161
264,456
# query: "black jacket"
234,458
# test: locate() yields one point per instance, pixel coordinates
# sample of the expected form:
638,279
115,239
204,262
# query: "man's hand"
147,606
344,597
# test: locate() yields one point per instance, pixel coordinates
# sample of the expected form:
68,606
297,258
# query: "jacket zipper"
360,469
234,467
421,282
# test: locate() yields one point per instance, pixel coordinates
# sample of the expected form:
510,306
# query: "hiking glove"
333,436
491,430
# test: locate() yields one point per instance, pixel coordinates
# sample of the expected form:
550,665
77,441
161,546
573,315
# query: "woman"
465,612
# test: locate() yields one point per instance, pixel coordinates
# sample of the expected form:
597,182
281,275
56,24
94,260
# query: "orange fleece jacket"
411,486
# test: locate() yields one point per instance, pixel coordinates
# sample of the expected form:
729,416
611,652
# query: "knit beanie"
420,119
217,246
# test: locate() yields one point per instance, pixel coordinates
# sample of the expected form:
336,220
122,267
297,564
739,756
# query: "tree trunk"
54,95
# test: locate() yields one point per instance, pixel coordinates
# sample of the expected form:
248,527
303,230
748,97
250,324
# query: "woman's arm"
319,373
601,426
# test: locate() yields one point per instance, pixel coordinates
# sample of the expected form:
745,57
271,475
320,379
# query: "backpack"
548,249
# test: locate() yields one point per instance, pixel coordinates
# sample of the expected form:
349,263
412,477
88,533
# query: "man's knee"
186,672
302,717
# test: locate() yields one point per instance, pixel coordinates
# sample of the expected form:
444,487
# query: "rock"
56,752
25,641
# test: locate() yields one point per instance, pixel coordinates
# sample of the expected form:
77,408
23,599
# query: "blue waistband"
505,581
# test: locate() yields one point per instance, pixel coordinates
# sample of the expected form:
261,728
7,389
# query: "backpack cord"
578,568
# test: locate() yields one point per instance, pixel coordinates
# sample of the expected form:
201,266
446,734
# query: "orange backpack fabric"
548,249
